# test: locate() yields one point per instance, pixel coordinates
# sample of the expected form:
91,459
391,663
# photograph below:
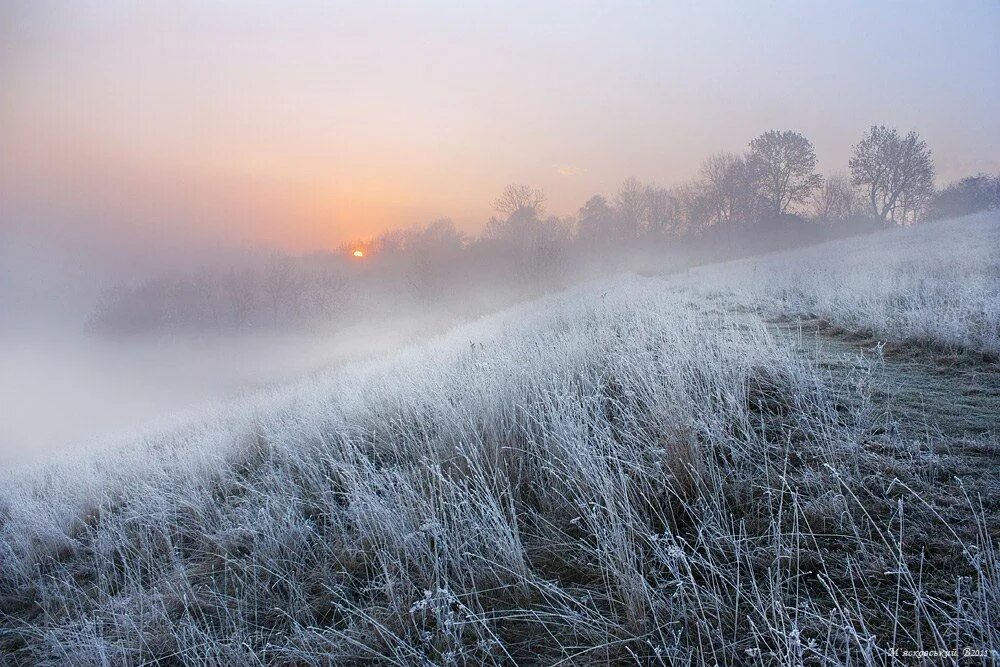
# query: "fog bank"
66,391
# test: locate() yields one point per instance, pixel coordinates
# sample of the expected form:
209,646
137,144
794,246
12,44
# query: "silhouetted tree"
895,173
595,220
279,284
731,188
967,196
434,251
836,200
630,209
534,246
519,197
662,212
695,207
785,163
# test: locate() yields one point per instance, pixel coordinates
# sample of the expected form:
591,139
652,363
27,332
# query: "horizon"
304,128
449,333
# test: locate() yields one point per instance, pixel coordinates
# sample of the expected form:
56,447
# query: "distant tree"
434,251
443,237
241,288
517,198
542,256
630,208
785,162
695,207
421,256
731,188
520,208
836,200
967,196
279,284
662,212
596,219
895,173
392,242
533,245
326,292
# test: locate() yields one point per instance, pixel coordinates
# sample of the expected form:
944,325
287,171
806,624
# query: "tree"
969,195
596,219
694,207
516,198
542,254
662,212
785,162
534,245
896,173
520,208
241,287
433,252
731,188
836,200
630,208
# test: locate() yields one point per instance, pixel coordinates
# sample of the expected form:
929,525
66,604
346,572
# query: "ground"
633,471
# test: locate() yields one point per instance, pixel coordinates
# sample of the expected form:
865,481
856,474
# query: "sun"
359,253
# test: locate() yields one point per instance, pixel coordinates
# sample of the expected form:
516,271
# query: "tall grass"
624,472
936,284
619,473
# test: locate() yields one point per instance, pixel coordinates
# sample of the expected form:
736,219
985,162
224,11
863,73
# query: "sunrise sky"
302,125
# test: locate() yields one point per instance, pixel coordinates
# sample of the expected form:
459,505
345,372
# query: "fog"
66,385
197,202
499,333
94,346
61,390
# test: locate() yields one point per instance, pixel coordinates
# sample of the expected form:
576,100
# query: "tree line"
769,197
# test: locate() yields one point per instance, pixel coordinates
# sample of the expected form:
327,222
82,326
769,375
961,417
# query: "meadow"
707,467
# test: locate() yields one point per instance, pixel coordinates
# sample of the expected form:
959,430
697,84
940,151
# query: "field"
788,459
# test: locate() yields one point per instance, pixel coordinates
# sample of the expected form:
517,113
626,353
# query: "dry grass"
615,474
936,285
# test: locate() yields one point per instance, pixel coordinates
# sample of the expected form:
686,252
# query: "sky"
161,129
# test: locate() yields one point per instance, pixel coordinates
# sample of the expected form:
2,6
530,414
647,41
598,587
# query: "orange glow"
359,253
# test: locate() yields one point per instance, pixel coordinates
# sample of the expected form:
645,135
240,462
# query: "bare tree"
541,251
630,208
596,219
786,164
279,284
731,187
836,200
969,195
662,212
434,252
695,209
520,208
241,287
516,198
535,246
896,173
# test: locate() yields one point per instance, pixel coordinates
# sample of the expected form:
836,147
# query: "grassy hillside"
935,285
637,470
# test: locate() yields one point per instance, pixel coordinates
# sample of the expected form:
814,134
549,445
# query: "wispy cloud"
568,171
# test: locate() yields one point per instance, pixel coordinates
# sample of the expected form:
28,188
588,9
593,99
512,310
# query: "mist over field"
496,334
103,390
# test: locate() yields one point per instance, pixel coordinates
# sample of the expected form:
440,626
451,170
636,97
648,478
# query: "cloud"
568,171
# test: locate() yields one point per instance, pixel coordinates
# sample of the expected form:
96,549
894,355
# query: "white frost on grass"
619,472
936,283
